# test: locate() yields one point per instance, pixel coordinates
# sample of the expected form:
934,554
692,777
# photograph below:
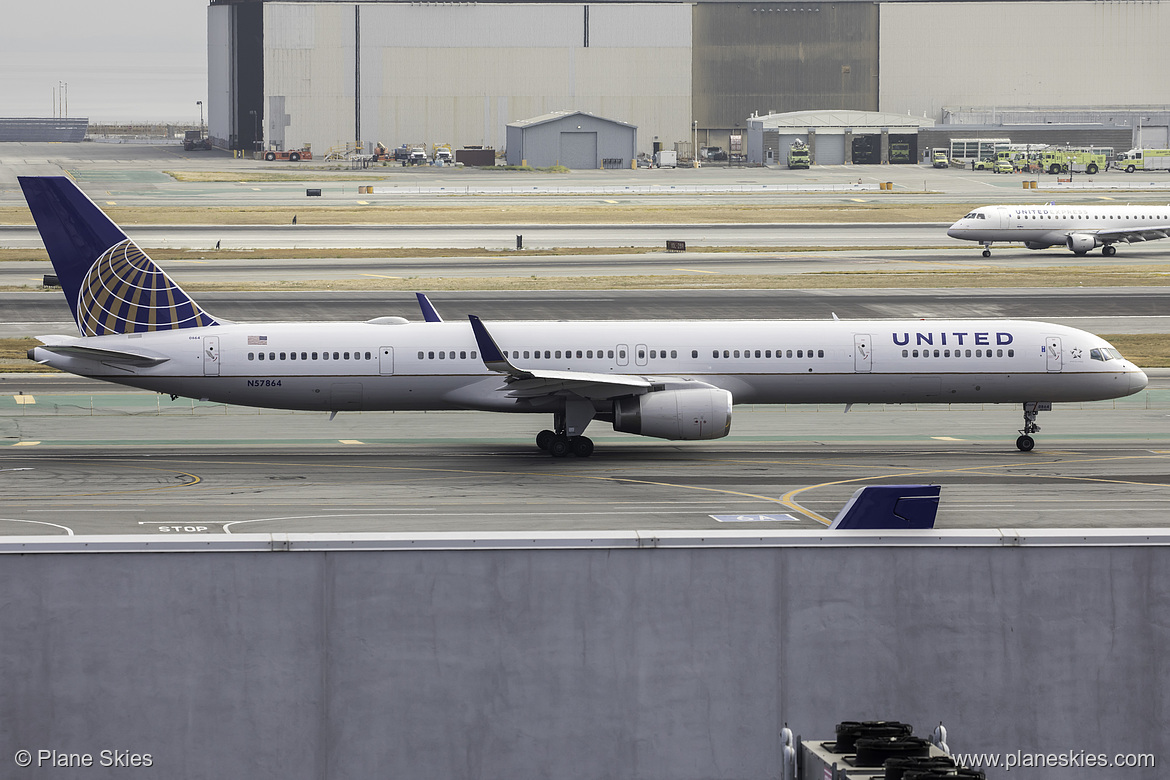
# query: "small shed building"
574,139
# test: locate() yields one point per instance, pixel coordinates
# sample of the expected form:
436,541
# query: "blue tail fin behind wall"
112,286
883,507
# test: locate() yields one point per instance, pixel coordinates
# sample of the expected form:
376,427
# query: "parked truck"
1144,160
1073,160
939,159
798,155
441,154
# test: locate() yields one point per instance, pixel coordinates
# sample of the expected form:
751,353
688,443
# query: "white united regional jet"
1080,228
673,379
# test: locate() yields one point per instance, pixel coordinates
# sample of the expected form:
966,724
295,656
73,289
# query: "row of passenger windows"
958,353
310,356
444,355
1086,216
766,353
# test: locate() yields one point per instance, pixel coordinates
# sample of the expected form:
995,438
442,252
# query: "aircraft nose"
1138,380
954,231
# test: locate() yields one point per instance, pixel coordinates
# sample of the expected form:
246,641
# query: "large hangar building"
332,74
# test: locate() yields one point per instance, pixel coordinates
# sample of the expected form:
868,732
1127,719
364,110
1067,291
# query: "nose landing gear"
987,249
1025,442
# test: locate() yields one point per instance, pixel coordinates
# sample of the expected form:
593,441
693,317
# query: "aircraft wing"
531,383
140,357
1130,235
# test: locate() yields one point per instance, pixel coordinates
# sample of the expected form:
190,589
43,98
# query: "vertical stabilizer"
111,285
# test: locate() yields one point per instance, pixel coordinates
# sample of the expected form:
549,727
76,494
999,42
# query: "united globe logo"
124,291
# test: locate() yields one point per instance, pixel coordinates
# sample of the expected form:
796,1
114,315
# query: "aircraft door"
211,356
1052,349
640,354
385,360
862,353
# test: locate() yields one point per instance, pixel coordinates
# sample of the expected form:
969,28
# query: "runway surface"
1100,310
137,463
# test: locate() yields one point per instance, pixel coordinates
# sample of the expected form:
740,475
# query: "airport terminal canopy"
574,139
831,133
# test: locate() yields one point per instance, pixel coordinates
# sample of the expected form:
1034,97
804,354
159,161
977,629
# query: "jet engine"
1079,243
700,413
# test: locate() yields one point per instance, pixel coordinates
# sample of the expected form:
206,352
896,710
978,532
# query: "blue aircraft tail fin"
112,286
882,507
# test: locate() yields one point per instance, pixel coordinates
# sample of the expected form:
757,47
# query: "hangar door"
579,150
830,149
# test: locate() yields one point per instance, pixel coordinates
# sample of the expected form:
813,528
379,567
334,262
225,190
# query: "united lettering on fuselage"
1079,228
673,379
957,338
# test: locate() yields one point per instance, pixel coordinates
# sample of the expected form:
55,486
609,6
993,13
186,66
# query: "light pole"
695,148
200,104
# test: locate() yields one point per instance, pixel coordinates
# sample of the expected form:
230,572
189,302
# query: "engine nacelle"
1036,245
1079,243
701,413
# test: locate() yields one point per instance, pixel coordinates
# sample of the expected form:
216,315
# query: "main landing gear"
1109,250
559,445
1025,442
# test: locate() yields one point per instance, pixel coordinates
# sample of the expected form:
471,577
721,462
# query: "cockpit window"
972,215
1115,353
1105,353
1095,354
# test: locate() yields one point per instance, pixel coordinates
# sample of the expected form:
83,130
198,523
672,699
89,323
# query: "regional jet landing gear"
1032,408
987,249
1109,250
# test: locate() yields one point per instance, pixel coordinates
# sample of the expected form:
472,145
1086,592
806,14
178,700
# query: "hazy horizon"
124,60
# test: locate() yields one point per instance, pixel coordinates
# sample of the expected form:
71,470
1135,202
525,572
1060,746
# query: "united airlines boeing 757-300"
1080,228
676,379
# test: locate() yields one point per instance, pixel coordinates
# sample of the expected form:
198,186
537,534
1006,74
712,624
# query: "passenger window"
611,354
305,356
420,356
261,355
653,353
915,353
525,354
968,353
694,353
673,354
621,354
282,356
978,353
558,354
430,356
272,356
579,353
252,355
936,353
946,353
789,353
315,355
999,353
905,353
368,356
736,353
292,356
1011,353
347,355
547,354
821,353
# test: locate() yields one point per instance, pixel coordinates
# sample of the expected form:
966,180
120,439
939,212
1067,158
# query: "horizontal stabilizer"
888,507
143,358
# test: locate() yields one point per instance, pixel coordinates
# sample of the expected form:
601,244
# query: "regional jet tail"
1080,228
673,380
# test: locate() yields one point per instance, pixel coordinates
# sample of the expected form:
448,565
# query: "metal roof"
837,118
555,115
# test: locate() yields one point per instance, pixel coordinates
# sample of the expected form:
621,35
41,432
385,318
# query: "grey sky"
124,60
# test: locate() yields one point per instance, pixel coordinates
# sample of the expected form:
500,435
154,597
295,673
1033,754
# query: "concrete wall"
1073,54
673,662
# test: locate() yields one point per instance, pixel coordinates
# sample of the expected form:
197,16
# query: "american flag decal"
254,341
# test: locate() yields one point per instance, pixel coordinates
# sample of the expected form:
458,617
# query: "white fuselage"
424,366
1040,226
